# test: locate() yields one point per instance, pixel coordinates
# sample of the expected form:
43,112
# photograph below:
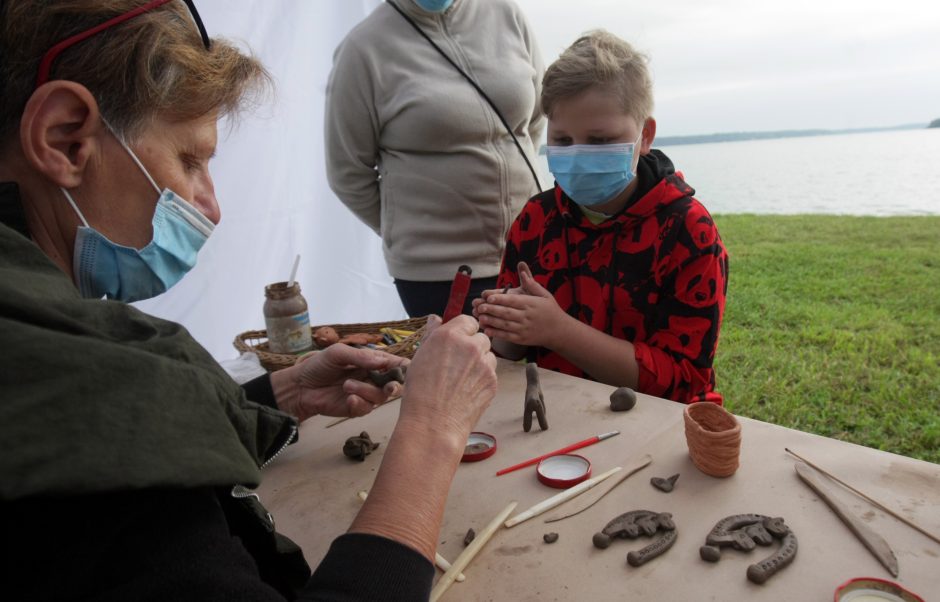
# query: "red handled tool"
458,293
563,450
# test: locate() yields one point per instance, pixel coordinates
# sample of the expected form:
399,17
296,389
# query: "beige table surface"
311,491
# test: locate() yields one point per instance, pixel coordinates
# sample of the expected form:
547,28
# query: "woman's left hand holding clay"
333,382
533,318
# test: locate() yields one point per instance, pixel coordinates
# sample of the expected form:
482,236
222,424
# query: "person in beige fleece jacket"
418,155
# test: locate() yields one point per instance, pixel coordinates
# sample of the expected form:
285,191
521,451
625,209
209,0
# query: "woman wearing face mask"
620,273
129,454
418,155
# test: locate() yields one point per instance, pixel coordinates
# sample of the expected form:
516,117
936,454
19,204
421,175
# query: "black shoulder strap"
538,185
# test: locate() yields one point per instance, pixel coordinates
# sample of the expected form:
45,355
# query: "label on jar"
289,334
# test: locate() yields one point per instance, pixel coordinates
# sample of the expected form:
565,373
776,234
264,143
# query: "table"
311,491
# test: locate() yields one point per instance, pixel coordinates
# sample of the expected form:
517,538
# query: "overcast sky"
754,65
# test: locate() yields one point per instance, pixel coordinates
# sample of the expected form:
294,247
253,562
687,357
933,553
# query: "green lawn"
833,327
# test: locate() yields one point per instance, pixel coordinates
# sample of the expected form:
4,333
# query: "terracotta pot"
714,438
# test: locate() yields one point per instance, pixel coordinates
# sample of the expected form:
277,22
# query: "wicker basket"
256,341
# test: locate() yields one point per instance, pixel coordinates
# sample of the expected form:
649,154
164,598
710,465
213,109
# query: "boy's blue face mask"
593,174
434,6
104,268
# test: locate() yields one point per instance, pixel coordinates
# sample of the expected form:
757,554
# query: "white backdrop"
271,185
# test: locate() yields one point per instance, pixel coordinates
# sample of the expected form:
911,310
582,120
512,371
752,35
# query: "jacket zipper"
241,492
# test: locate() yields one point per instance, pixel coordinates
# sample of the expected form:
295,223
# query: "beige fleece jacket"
412,149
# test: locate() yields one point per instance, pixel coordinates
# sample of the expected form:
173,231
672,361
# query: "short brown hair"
601,59
154,65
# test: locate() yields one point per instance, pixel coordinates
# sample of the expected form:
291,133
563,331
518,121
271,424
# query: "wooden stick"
872,501
642,463
560,498
439,560
469,552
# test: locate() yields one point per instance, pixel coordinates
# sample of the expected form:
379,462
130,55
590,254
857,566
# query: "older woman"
128,453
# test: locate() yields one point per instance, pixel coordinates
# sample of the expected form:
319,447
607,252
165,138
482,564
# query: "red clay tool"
458,293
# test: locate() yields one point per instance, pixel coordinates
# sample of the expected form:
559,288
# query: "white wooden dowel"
439,560
469,552
560,498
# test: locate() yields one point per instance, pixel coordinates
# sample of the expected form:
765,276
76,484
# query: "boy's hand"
530,318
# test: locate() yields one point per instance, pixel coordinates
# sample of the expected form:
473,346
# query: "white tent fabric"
270,180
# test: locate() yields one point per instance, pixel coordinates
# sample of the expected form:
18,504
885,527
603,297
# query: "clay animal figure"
635,523
380,379
622,399
325,336
550,537
746,531
359,447
665,485
534,402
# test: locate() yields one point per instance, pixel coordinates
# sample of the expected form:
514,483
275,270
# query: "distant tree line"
934,124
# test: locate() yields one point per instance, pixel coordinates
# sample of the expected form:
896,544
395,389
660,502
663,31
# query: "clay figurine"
470,536
550,537
380,379
325,336
622,399
744,532
361,338
534,402
359,447
635,523
665,485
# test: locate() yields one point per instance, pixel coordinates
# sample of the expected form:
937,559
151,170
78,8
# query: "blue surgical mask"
593,174
434,6
105,268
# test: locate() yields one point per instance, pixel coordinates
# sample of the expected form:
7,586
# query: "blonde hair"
600,59
154,65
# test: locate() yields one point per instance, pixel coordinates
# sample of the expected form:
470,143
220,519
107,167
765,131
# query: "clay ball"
622,399
710,553
550,537
601,540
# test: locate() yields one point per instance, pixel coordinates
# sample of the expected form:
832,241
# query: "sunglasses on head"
45,65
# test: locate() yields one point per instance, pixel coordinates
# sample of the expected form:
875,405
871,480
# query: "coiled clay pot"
714,438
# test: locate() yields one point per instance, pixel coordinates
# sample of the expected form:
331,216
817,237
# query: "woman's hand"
452,378
329,382
528,315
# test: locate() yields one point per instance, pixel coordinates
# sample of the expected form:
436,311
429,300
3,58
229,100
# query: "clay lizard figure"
744,532
635,523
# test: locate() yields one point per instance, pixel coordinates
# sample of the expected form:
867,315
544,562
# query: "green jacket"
96,396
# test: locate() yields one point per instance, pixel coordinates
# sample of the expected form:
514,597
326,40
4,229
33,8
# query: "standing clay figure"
744,532
622,399
631,525
534,402
359,447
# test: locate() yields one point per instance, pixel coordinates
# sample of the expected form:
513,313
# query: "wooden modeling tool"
470,552
874,542
870,500
639,465
439,560
560,498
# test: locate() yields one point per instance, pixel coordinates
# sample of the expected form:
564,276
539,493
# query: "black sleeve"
259,390
152,545
368,567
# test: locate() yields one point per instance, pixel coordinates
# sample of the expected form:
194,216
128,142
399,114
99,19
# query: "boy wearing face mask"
617,274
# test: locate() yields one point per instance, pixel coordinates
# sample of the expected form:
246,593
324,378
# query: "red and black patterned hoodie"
656,274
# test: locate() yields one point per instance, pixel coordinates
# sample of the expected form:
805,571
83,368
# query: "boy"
619,273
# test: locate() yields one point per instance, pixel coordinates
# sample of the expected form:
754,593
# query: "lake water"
878,173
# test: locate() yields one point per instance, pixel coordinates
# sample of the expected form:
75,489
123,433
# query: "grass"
833,327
